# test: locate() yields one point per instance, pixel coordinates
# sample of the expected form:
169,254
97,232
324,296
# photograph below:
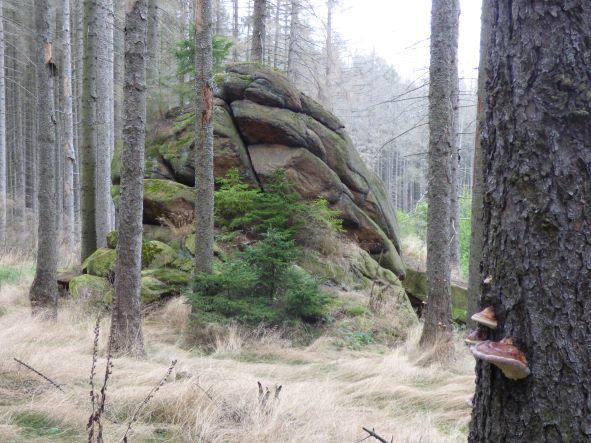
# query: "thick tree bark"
476,230
204,181
43,293
89,133
3,156
69,151
438,324
258,31
536,141
126,323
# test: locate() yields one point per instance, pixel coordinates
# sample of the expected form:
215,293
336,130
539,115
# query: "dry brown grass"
327,395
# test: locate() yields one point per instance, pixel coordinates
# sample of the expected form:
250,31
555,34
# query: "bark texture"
126,323
536,141
476,230
454,202
438,324
69,152
43,293
258,31
88,133
204,181
3,157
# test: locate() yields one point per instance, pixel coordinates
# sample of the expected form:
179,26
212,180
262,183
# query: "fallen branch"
373,434
49,380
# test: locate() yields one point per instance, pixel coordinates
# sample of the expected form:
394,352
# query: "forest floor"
327,394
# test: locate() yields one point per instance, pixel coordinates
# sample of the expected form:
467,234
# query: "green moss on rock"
91,287
152,289
156,254
100,263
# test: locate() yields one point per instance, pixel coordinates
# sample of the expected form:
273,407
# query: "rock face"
263,124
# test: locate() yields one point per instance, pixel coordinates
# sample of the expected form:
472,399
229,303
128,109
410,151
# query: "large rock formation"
263,124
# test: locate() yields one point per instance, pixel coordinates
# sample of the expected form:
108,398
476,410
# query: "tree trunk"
68,135
454,202
258,31
235,30
88,132
293,35
103,69
153,25
204,182
3,156
476,230
43,293
277,35
126,323
536,141
438,324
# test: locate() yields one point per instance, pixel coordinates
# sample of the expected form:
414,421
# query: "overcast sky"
398,30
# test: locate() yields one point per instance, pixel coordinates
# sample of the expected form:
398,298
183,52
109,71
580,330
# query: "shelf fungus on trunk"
486,317
475,337
505,356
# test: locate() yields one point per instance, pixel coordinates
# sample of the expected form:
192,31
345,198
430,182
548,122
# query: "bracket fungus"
475,337
505,356
486,317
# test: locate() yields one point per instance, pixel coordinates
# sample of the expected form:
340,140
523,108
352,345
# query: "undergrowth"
262,283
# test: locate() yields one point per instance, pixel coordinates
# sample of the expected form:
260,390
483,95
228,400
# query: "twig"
58,386
373,434
147,399
91,419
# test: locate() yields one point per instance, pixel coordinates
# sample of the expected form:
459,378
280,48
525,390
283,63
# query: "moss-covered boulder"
416,287
101,263
153,289
156,254
91,287
173,278
112,239
166,199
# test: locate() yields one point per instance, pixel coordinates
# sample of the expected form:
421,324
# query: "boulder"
156,254
173,158
260,84
166,199
415,285
91,287
101,262
262,123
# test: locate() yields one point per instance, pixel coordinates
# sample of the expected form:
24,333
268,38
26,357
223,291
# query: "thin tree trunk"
153,29
327,68
258,31
277,35
3,156
476,234
454,243
536,145
293,35
43,293
105,120
68,135
235,30
438,324
204,183
126,323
